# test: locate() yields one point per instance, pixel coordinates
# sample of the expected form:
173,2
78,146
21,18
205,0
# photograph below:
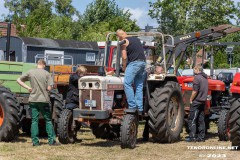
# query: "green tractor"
15,112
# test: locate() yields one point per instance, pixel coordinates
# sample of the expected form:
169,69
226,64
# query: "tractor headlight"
84,84
97,84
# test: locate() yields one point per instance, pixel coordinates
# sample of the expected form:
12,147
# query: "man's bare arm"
124,54
21,83
194,94
49,88
124,57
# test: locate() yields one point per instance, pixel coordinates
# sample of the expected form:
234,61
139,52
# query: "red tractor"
218,104
234,113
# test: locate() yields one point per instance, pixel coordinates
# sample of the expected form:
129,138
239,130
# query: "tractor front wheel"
128,131
66,134
223,127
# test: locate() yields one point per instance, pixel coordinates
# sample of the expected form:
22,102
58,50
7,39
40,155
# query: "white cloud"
142,17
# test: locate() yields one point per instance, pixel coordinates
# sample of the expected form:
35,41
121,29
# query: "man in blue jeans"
133,54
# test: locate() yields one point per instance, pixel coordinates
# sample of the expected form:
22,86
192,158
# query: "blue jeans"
134,74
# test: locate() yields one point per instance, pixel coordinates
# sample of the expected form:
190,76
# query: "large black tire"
57,108
66,134
9,115
223,127
128,131
166,113
234,121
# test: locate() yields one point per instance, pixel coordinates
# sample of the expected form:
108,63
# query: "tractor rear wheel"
223,127
66,134
166,113
9,115
58,107
234,121
129,129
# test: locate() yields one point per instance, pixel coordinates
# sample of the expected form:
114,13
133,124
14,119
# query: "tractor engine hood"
100,82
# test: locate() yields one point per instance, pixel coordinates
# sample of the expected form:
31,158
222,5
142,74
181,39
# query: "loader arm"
206,35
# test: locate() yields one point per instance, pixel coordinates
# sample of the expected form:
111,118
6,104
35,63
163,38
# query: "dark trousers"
196,121
146,129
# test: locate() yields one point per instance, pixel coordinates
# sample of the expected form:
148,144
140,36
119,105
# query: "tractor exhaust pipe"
8,41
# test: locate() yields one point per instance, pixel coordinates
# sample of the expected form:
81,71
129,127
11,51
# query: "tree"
178,17
22,8
98,31
38,19
64,8
102,16
102,10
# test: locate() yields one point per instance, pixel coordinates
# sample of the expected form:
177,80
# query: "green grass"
92,148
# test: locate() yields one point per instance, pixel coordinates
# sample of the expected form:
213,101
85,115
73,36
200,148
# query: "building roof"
53,43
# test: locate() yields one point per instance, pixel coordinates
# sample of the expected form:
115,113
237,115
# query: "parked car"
189,72
232,70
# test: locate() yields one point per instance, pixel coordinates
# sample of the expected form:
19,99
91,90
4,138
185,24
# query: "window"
90,57
54,57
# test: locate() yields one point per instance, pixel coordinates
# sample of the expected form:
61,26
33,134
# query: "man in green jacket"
41,82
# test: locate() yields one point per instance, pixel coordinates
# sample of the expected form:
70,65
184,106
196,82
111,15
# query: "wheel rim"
1,115
173,113
133,130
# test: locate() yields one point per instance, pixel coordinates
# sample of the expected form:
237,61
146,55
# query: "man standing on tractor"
133,54
197,105
41,82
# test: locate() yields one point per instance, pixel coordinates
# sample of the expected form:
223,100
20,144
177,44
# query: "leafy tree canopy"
178,17
35,18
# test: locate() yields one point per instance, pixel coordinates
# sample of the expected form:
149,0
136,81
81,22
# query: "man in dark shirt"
72,99
133,53
197,102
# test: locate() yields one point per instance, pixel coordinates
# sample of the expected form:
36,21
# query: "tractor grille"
96,96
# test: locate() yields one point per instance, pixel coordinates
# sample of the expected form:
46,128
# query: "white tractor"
103,104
